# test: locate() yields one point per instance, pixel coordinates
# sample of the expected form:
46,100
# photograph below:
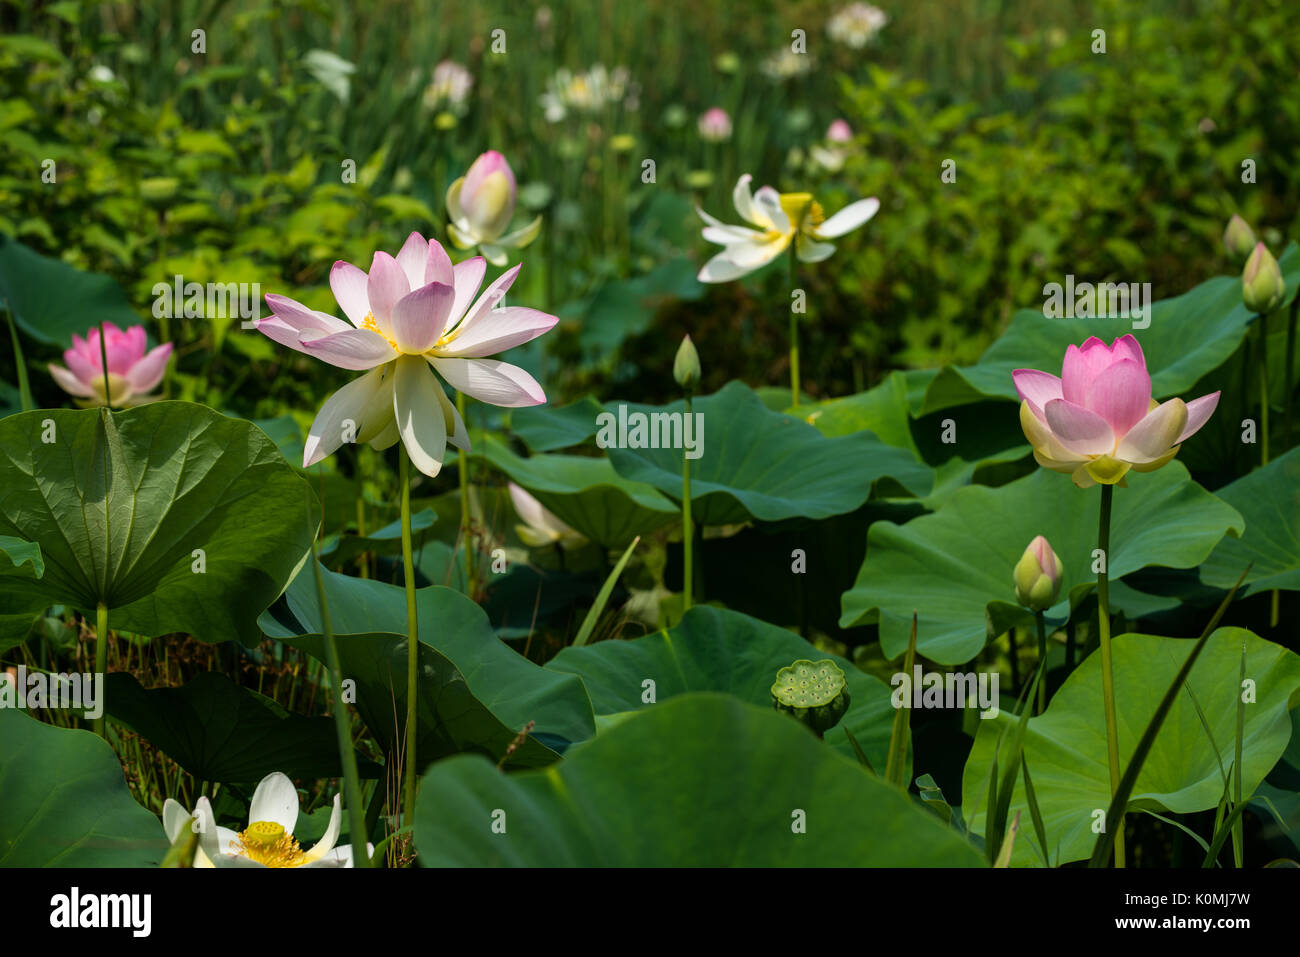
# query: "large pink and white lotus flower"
132,372
1098,420
411,316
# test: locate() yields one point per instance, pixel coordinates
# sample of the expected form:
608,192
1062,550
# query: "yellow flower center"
266,843
805,212
369,323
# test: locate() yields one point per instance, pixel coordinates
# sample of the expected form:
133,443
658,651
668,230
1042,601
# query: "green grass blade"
602,598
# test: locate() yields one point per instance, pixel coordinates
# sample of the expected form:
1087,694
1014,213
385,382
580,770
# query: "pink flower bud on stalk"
839,132
131,371
1038,576
715,125
1238,239
1262,285
481,204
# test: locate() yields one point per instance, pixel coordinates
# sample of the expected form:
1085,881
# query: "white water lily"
779,218
540,527
268,840
412,316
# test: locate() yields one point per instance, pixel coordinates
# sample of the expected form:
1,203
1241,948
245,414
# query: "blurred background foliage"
228,165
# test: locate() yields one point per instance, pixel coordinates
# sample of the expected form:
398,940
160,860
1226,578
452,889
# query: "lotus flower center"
370,324
804,211
268,844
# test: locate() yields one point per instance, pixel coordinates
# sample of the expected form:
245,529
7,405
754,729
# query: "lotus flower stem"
1107,675
1263,389
1042,660
412,637
688,527
466,519
1290,374
101,659
24,387
103,358
343,728
794,333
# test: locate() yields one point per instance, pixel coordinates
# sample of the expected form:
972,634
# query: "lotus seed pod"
815,692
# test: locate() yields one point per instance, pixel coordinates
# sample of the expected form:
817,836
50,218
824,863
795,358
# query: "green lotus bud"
1262,286
815,692
686,367
1038,576
1238,239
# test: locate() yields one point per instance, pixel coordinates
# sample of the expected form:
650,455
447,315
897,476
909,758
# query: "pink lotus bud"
131,373
1262,285
839,132
1038,576
715,125
487,195
1238,239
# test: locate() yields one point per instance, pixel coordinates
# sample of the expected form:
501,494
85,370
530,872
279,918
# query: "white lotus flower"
411,316
540,527
779,218
268,840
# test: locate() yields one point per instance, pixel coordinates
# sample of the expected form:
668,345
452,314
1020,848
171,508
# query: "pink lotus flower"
410,317
1098,420
714,125
131,372
839,132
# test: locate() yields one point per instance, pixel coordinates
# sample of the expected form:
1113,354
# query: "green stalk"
103,358
1042,661
466,519
343,729
794,333
1263,389
688,527
1107,675
24,387
101,660
1288,392
412,635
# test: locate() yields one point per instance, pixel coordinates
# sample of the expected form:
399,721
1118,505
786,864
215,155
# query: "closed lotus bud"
1262,286
1238,239
1038,576
487,195
686,367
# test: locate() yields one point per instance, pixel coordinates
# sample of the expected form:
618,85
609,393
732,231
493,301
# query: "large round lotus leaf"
1269,499
476,693
1066,746
754,463
65,803
586,494
703,780
548,428
51,300
219,731
716,650
953,567
1188,336
176,517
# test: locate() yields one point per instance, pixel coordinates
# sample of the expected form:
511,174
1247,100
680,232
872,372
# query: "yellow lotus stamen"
369,323
268,844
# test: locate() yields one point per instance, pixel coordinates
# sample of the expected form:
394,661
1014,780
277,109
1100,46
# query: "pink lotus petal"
1036,388
489,299
148,372
498,331
328,430
354,349
1198,413
413,257
298,316
467,277
491,381
437,265
1121,395
1081,366
386,284
1078,429
418,318
1155,435
419,413
349,285
70,384
1127,347
84,367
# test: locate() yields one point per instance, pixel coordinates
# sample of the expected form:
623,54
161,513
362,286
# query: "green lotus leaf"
1269,499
